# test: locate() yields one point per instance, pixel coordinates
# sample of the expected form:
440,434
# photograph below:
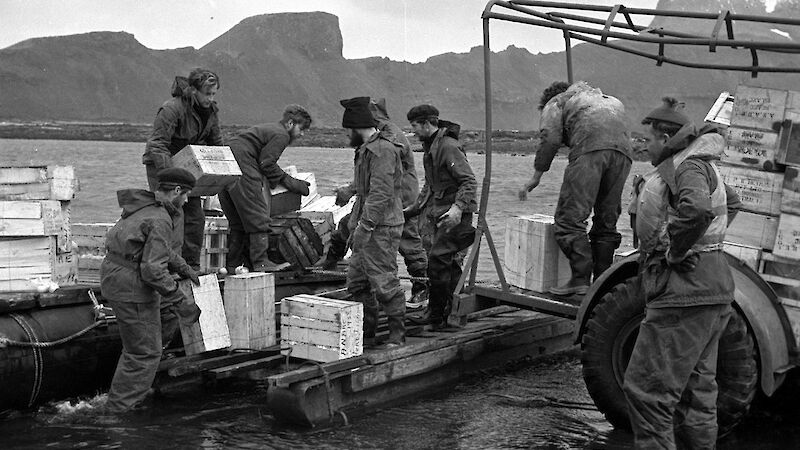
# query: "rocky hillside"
268,61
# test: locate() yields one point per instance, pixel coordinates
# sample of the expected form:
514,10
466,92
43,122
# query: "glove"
188,313
173,298
450,218
192,275
343,195
295,185
684,263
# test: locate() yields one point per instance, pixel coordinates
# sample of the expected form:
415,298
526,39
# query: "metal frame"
598,31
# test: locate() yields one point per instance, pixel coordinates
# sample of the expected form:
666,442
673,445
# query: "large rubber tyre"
608,342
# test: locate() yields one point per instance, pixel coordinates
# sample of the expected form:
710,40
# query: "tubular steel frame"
527,12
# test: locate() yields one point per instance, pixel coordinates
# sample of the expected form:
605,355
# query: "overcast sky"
402,30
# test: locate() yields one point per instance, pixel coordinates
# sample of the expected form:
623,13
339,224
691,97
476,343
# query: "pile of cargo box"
36,251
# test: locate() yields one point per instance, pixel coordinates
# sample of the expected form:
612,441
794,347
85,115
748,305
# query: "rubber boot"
580,262
438,299
235,255
602,257
395,311
259,244
337,247
370,324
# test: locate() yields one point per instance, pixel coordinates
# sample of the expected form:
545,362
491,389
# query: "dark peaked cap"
175,176
422,112
357,113
667,112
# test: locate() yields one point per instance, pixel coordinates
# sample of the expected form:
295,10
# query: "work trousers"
444,263
670,382
592,182
247,207
372,279
140,330
194,222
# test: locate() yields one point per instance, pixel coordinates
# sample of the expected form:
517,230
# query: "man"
593,126
257,151
688,287
136,278
410,243
188,118
448,201
376,222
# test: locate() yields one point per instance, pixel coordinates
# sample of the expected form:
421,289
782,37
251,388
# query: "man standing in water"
376,222
136,278
188,118
593,126
245,203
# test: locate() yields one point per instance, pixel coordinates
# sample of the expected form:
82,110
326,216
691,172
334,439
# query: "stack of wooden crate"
321,329
213,254
90,248
325,215
761,164
35,239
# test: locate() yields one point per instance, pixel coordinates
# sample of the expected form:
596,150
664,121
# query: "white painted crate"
321,329
211,331
214,167
532,259
250,309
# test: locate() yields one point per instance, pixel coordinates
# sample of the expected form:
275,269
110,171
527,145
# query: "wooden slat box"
321,329
760,192
31,218
787,239
751,148
211,331
532,259
747,254
38,183
294,239
755,107
755,230
213,254
90,238
26,263
282,201
324,206
214,167
89,268
250,309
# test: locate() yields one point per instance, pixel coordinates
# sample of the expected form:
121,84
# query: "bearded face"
355,139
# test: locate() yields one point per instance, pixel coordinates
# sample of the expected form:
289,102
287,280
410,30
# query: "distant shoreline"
512,142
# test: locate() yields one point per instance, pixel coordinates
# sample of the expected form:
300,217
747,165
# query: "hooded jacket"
697,212
139,249
177,125
410,190
378,178
448,176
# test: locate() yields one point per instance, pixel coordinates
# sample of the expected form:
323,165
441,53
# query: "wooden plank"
532,259
755,149
292,242
755,230
213,363
390,371
23,175
250,310
789,145
333,368
790,197
308,250
756,107
211,331
760,192
315,337
787,239
221,373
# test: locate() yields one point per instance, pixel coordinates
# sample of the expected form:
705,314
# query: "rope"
337,273
328,389
37,358
34,343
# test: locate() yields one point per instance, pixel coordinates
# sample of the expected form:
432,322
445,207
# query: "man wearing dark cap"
190,117
594,127
376,222
136,277
245,203
448,201
682,212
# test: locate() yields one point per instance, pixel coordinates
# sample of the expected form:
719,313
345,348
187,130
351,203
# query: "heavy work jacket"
448,176
177,125
698,211
258,149
139,250
394,133
583,119
378,178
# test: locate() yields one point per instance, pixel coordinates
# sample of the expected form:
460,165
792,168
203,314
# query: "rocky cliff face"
268,61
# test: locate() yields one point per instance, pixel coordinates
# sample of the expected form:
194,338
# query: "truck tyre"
608,343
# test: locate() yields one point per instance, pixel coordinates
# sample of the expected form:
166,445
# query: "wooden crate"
282,201
755,230
760,192
787,238
750,256
755,149
31,218
789,141
26,263
532,259
790,197
250,309
213,254
89,268
325,207
214,168
293,239
211,331
756,107
38,183
90,238
321,329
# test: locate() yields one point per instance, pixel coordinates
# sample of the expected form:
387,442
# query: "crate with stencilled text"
34,264
758,108
755,149
755,230
787,238
760,192
532,259
213,253
250,309
211,331
321,329
38,183
214,167
90,238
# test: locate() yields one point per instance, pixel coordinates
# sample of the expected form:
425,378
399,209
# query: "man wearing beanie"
257,151
136,278
376,222
448,201
683,210
594,127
